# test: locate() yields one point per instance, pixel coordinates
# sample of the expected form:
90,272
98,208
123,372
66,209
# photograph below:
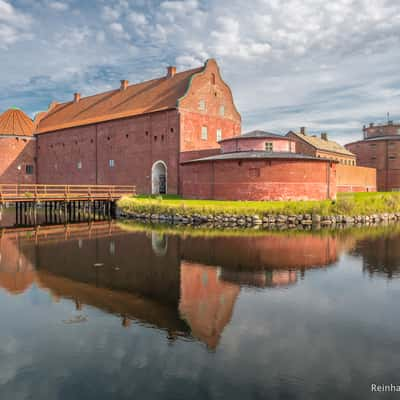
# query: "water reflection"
186,285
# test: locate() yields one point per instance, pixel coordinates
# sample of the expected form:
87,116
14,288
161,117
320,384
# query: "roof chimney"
371,124
124,84
77,97
171,71
303,130
324,136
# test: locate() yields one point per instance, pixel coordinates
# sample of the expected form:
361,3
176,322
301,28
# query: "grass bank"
345,204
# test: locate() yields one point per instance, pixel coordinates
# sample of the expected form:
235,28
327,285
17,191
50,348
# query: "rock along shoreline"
279,221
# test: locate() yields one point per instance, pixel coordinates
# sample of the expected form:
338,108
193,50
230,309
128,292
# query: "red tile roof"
16,122
150,96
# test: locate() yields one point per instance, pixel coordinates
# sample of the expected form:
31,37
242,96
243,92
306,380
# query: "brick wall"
15,152
355,179
133,143
382,155
207,89
257,144
259,180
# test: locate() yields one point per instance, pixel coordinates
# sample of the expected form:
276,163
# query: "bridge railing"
42,192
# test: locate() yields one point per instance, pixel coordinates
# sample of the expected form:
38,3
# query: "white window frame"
269,145
219,134
202,105
79,165
204,133
111,163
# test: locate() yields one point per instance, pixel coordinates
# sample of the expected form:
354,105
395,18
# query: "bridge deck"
40,193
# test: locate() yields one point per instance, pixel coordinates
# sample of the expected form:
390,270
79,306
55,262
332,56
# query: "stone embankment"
302,221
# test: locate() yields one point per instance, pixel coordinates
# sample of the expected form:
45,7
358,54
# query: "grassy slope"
346,204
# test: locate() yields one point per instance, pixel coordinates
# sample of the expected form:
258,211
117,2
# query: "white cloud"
74,37
137,18
289,63
110,14
59,6
14,25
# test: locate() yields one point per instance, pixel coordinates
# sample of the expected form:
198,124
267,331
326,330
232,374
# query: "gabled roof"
16,122
323,145
141,98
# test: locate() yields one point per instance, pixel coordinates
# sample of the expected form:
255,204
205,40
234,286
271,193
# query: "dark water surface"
105,310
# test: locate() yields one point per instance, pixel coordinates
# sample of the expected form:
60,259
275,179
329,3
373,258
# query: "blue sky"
330,66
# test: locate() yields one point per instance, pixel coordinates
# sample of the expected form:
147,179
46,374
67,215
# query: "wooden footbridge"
62,203
42,193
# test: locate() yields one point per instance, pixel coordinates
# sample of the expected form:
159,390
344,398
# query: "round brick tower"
17,148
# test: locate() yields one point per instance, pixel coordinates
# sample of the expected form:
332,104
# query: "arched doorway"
159,178
159,243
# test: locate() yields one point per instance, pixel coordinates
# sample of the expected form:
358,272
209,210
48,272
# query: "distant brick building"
380,149
321,147
17,148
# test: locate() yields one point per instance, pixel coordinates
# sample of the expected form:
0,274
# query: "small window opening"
268,147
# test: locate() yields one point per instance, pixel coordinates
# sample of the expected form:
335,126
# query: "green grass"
346,204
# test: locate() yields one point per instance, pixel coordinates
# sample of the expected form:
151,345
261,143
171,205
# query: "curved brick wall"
254,144
259,180
16,151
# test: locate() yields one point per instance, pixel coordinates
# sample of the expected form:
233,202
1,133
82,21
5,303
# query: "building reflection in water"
185,286
381,255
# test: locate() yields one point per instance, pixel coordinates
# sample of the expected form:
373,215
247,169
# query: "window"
254,172
222,110
204,133
111,163
79,165
268,146
213,79
392,157
29,169
202,105
219,135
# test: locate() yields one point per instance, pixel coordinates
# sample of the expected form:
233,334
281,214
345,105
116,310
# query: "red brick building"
259,166
17,148
380,149
137,134
178,134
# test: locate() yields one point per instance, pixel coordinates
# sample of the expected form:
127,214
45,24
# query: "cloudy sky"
331,66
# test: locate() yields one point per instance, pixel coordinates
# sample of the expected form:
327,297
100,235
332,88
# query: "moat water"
113,310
